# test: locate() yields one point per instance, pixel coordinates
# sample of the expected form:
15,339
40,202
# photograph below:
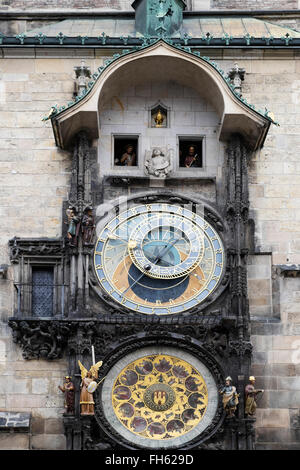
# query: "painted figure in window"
192,159
73,226
230,397
128,158
69,390
88,226
250,397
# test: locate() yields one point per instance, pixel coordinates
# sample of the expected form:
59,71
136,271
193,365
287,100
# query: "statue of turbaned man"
250,397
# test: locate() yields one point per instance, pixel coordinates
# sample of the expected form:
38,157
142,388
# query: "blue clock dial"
159,259
166,246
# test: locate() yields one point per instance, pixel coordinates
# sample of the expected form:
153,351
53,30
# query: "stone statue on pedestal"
250,397
230,397
69,390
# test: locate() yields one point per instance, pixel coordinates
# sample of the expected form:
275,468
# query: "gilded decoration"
159,397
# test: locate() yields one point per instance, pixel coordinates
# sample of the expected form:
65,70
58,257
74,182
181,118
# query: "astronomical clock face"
159,259
159,397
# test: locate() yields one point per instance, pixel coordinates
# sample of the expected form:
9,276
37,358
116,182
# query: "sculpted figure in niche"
88,226
73,226
230,397
69,390
158,163
250,397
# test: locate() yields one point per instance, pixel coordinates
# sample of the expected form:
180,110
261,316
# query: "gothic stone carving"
158,163
35,247
40,339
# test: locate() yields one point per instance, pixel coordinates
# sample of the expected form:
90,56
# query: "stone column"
237,208
80,198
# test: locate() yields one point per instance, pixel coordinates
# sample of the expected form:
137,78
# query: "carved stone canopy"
143,65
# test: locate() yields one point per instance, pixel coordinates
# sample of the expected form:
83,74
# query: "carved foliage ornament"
41,339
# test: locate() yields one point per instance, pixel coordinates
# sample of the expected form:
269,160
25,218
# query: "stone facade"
254,5
196,5
34,181
66,4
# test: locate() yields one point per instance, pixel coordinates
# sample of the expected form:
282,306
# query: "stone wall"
276,365
195,5
65,4
274,189
34,182
32,207
18,423
253,4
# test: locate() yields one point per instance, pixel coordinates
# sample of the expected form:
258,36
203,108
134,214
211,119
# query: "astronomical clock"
144,291
149,277
159,259
155,290
158,263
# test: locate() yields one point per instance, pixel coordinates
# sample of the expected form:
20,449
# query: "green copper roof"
237,27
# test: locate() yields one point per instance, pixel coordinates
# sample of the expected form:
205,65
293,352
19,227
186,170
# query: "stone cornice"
107,42
88,13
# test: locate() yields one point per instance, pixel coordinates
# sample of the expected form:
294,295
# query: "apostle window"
126,150
190,152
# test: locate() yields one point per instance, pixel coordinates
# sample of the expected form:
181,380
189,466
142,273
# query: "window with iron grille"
42,291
